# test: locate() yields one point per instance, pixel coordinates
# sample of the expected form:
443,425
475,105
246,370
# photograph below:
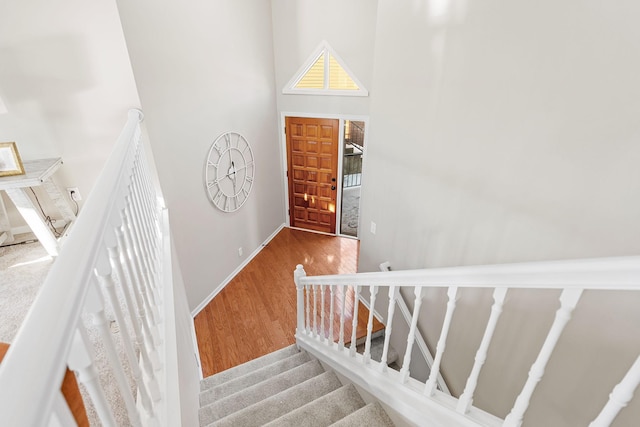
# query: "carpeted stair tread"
377,347
247,367
323,411
282,403
370,415
260,391
240,383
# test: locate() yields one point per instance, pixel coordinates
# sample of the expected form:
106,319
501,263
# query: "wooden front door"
312,162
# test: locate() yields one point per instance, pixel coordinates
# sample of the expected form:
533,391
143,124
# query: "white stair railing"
419,402
119,241
395,297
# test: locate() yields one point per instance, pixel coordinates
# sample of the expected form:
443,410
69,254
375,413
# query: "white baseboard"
226,281
20,230
60,224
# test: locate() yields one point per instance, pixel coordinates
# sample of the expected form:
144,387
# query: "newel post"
297,275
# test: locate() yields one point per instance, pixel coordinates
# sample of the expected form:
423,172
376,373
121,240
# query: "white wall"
66,82
502,132
298,29
204,69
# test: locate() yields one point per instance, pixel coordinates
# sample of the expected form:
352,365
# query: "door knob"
333,187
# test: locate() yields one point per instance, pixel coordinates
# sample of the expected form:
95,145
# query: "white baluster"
105,278
354,320
619,397
315,310
341,337
148,357
149,314
142,202
331,313
124,243
137,240
95,306
404,371
568,300
430,386
152,280
373,290
140,237
322,334
393,297
150,201
307,291
152,221
297,275
132,285
153,247
81,361
145,237
147,189
466,399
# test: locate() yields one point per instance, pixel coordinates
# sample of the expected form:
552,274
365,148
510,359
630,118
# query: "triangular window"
325,73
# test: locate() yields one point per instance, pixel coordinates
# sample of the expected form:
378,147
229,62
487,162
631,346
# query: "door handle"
333,187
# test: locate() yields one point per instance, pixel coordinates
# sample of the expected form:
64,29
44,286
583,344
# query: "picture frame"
10,161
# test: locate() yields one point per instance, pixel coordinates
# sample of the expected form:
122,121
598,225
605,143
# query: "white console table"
37,173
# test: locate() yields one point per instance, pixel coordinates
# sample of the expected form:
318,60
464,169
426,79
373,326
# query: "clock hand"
232,171
232,175
243,167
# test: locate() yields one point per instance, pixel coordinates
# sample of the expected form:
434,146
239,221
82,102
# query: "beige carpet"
23,268
285,388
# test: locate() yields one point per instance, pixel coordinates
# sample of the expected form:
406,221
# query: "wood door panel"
298,188
326,148
299,175
325,178
311,176
325,163
312,160
311,147
325,193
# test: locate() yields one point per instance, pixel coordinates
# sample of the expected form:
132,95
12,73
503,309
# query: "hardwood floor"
255,313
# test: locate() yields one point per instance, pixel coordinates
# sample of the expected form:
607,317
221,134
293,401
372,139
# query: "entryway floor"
255,313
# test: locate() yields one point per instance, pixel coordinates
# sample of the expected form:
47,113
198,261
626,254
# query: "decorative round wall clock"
229,171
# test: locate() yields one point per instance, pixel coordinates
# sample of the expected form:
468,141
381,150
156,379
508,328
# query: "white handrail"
619,273
32,370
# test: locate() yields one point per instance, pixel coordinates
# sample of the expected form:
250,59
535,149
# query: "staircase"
121,244
288,387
